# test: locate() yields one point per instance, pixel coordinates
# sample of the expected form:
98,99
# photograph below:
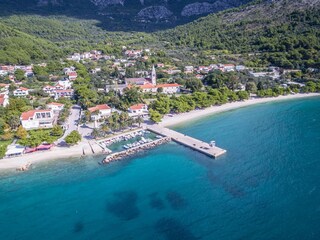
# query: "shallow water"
267,186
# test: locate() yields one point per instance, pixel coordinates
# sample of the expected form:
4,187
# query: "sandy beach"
192,115
77,151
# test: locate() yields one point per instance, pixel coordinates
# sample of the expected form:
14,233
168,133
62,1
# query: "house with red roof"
72,75
167,88
55,107
21,92
4,100
49,90
138,109
66,93
100,111
36,119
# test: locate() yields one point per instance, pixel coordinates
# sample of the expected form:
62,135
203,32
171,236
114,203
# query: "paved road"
72,122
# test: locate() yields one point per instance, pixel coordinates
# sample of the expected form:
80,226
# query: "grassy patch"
3,147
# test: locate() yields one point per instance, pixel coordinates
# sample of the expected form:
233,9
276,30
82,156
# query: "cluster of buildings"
103,111
147,85
62,88
10,69
92,55
212,67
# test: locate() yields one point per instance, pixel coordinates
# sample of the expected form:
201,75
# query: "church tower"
154,76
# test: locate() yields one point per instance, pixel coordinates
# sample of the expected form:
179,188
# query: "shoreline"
59,153
181,118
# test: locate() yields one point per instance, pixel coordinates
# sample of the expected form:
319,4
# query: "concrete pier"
190,142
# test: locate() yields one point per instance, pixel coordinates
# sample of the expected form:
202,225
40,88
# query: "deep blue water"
266,187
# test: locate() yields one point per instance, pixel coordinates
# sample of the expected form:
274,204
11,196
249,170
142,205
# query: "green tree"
243,95
139,120
73,138
155,116
21,133
251,87
194,84
19,74
57,131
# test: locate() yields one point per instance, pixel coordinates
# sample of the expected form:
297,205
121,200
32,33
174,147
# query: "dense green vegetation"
185,103
19,48
277,35
34,138
73,138
269,33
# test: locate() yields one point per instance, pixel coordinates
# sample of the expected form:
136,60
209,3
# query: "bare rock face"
155,13
105,3
203,8
43,3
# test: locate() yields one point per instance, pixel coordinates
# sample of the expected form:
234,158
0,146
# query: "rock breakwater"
120,155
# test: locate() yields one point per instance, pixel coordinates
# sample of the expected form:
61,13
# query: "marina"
193,143
126,153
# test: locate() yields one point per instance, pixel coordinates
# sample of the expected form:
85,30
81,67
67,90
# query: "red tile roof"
2,98
99,107
146,86
72,74
23,89
137,106
29,114
55,104
168,85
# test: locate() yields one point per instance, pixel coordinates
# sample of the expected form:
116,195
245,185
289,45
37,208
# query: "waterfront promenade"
188,141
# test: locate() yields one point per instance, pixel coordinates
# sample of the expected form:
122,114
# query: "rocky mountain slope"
125,12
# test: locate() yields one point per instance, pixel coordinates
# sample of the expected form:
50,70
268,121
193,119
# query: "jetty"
193,143
120,155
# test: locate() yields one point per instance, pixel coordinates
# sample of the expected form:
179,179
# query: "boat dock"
190,142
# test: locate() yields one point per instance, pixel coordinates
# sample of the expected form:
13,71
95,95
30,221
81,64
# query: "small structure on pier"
193,143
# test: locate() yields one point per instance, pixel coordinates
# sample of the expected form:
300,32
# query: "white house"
99,111
21,92
68,93
72,75
55,107
49,90
4,100
36,119
65,83
188,69
4,87
168,88
138,109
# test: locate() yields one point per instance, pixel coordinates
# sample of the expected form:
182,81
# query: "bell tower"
154,76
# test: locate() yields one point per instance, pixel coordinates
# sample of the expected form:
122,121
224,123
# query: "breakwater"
123,154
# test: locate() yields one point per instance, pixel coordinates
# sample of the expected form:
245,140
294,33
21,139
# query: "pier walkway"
190,142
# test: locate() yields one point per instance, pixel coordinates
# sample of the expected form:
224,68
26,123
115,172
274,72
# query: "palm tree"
95,133
139,120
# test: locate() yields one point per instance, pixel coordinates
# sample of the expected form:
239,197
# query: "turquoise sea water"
266,187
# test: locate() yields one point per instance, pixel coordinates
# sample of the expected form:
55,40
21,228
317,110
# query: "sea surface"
266,187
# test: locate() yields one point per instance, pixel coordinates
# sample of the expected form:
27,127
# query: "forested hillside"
283,33
20,48
279,32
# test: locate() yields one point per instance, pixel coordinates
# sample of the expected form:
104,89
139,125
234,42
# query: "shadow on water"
78,227
176,201
172,229
232,189
156,202
124,205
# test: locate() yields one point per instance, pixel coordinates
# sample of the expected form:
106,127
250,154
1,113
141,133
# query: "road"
72,122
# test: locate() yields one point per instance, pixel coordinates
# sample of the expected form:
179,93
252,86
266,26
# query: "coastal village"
91,96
